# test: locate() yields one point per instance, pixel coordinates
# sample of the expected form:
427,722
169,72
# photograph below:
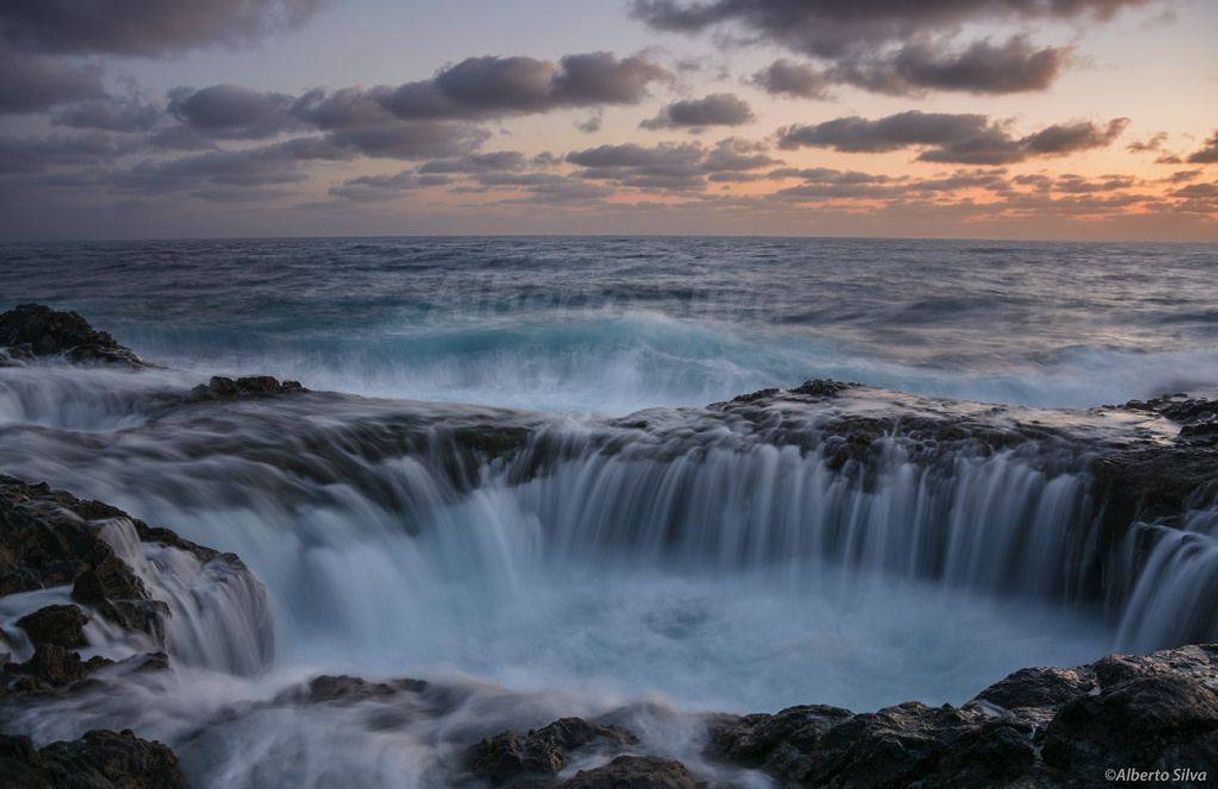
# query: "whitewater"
510,480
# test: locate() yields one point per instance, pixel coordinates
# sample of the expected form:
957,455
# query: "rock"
510,759
32,330
98,760
349,689
1039,687
635,772
822,387
50,668
1156,722
60,625
1036,727
760,740
221,388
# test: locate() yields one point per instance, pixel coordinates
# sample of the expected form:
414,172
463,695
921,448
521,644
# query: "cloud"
477,163
591,125
785,77
1208,154
150,27
736,155
32,155
30,83
410,140
130,114
233,112
491,87
1152,143
717,109
895,46
827,28
670,167
375,188
1013,67
964,138
268,165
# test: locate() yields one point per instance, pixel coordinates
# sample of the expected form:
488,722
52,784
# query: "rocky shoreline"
79,565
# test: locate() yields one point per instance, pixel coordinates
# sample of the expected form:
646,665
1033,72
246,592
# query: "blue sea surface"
610,325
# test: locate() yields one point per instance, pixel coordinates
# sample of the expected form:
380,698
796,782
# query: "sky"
1037,119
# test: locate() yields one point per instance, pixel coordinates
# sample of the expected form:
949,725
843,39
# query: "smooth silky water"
650,584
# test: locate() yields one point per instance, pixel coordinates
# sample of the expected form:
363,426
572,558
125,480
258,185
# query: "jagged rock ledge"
1039,727
33,330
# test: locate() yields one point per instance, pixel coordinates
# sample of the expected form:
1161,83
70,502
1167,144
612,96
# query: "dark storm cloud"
895,46
31,83
129,114
1208,154
233,112
144,27
488,87
965,138
1013,67
785,77
717,109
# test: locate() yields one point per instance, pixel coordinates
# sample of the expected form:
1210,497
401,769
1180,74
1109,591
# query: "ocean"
506,480
611,325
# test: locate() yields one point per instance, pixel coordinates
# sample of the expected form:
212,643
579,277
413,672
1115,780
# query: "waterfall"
394,534
1172,577
218,616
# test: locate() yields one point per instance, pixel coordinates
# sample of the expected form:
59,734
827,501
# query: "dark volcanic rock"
635,772
1157,722
50,538
1037,727
822,387
344,688
1031,688
254,386
61,625
36,330
98,760
511,759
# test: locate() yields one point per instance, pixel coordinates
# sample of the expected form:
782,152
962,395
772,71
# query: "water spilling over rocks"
544,571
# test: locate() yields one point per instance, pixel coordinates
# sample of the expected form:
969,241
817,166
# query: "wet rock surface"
34,330
635,772
1037,727
51,539
98,760
535,758
253,386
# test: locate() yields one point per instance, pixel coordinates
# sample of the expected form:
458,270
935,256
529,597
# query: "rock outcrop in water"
33,330
50,539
